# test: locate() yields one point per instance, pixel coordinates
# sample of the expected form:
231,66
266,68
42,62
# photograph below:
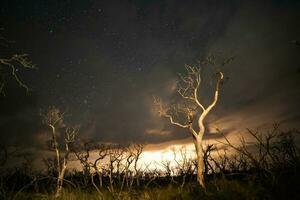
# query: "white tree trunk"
200,162
60,180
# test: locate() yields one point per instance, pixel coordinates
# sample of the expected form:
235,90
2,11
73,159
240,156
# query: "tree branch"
12,63
216,92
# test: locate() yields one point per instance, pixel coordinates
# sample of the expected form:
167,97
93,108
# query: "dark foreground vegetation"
267,168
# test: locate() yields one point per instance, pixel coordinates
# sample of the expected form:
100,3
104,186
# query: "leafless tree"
150,175
206,158
184,164
10,67
273,149
137,150
190,111
114,155
92,168
102,151
60,143
127,173
82,153
169,170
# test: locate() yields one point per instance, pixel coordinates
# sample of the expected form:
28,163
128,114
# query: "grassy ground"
220,189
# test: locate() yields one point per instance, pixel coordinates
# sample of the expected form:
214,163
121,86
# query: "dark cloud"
264,83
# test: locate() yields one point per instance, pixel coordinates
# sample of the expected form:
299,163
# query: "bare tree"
190,111
115,156
82,154
274,149
151,174
168,170
129,158
184,164
10,66
137,150
61,144
102,153
207,155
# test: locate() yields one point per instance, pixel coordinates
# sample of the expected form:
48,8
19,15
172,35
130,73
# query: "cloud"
158,132
263,84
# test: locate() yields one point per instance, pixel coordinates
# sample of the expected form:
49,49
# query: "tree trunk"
58,187
100,179
60,181
94,184
200,163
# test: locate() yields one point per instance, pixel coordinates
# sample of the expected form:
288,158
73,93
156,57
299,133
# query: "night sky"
102,61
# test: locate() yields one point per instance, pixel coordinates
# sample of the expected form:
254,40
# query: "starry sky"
102,61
